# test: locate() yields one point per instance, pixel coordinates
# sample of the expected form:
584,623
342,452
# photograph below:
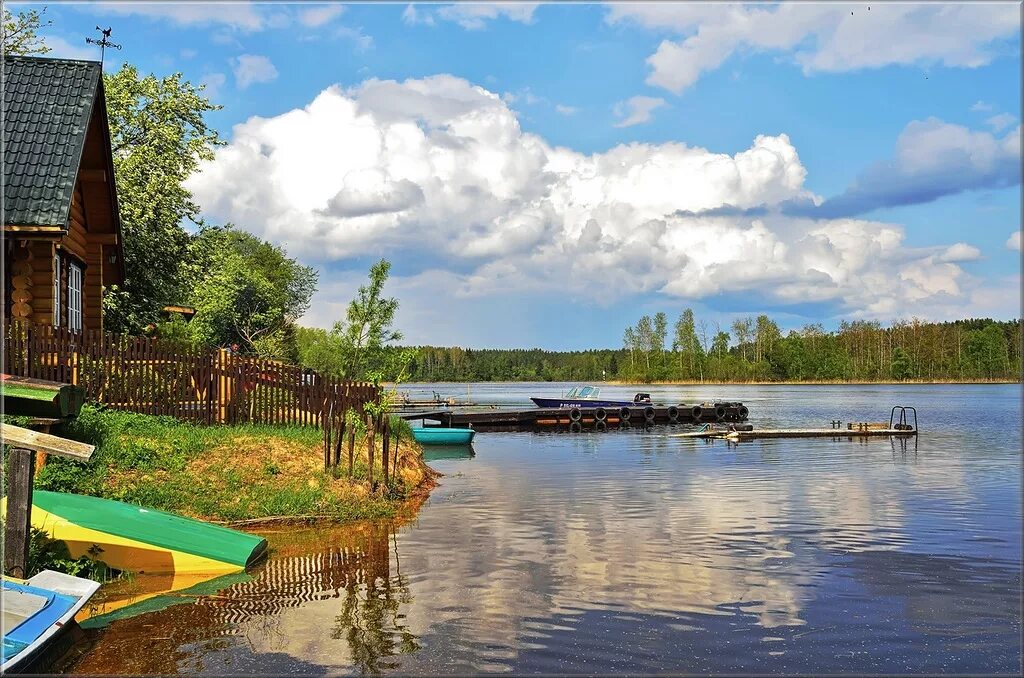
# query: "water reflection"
440,452
635,552
352,571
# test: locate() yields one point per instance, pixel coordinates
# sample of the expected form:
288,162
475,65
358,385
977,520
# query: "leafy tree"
357,347
367,325
158,137
629,341
658,339
20,32
901,366
686,343
646,340
986,351
720,345
246,291
742,328
766,334
320,350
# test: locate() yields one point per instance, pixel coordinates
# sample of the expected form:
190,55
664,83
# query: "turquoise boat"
438,435
37,615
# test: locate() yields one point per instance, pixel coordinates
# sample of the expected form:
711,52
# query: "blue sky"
543,175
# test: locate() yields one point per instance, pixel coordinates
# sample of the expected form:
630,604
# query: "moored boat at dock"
589,396
440,435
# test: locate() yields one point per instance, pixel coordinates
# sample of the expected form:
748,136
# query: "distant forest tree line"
752,349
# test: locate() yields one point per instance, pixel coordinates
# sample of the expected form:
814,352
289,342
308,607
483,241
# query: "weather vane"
103,42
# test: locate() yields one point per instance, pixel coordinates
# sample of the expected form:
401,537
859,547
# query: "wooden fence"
151,376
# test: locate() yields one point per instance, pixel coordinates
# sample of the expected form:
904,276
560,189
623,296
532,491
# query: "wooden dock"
579,418
799,433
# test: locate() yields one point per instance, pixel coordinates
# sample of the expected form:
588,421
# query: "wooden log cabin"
62,230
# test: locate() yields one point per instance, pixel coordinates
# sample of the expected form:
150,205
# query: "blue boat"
590,396
37,615
439,435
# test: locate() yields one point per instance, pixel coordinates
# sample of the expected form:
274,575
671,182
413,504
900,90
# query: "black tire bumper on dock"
588,418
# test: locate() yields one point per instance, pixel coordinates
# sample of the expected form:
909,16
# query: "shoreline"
618,382
240,476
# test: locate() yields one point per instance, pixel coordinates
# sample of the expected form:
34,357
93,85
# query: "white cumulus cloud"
318,15
1013,242
243,16
636,110
252,68
475,15
960,251
933,159
1001,121
820,37
440,170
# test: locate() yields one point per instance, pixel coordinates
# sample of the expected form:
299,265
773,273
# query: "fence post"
369,448
225,387
20,469
385,441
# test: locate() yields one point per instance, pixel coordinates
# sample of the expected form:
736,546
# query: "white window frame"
56,289
75,277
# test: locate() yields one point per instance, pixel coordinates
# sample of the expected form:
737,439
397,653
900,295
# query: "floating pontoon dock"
799,433
898,426
578,418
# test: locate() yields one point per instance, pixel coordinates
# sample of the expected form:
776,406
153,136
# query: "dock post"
20,469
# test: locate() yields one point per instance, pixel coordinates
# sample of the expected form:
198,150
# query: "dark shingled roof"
47,107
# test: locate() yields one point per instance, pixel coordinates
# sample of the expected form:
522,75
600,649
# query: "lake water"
636,552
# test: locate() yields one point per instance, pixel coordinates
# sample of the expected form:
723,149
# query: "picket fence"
153,376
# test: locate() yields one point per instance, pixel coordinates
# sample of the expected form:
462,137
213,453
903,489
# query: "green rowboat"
142,540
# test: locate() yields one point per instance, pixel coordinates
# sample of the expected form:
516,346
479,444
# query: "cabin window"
74,297
56,290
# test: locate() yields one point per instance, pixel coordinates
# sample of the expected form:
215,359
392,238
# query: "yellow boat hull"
122,553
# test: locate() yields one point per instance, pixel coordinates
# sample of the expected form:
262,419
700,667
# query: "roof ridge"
49,60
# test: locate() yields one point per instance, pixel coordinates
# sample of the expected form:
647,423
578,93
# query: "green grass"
223,473
22,391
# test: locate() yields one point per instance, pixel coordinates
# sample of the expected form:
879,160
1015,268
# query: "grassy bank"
226,473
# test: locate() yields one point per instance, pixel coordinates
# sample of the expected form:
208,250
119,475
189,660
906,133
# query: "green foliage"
175,330
357,347
859,350
20,32
246,292
320,350
152,460
901,366
688,347
400,428
158,137
367,325
45,553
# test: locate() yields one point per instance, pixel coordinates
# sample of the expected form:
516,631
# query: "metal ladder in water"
902,424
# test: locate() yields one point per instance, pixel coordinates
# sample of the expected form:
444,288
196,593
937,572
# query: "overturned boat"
142,540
